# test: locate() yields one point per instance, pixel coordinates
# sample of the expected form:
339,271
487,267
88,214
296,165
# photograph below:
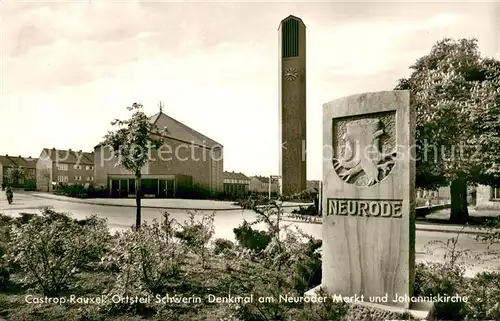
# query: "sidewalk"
169,204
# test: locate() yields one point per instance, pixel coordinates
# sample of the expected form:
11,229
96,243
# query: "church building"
187,161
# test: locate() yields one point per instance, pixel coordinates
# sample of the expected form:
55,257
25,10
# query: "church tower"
292,105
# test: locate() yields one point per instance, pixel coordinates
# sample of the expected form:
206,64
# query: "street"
120,218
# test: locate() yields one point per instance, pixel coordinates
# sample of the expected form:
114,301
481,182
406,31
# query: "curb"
145,206
25,208
418,227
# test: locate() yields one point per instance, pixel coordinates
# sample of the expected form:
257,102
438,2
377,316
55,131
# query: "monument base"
419,310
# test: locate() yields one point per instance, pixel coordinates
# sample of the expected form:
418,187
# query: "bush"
483,292
50,248
196,234
193,191
5,269
5,232
30,186
310,210
80,191
148,261
222,245
444,279
251,239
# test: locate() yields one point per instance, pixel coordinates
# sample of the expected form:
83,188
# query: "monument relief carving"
369,233
364,149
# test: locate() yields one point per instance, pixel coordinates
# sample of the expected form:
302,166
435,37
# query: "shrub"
148,261
310,210
326,311
24,218
30,185
5,269
193,191
50,248
289,264
222,245
483,292
82,191
196,234
250,238
444,279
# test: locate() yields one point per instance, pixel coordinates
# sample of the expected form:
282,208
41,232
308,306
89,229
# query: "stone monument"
292,105
368,198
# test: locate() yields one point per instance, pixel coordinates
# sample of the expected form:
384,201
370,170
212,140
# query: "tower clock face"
291,74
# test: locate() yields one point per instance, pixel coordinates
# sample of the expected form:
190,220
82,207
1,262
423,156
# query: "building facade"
487,197
260,184
18,171
186,160
63,167
236,184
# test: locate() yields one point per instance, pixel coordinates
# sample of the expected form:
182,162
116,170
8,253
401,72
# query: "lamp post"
270,177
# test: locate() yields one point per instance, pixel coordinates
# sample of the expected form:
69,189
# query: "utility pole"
270,177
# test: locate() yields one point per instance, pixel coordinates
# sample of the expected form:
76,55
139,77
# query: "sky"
68,69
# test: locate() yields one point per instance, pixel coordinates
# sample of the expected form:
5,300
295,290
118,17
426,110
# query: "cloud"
76,66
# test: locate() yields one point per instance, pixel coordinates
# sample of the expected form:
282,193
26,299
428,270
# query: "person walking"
9,194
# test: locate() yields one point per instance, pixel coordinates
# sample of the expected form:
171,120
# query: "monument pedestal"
419,310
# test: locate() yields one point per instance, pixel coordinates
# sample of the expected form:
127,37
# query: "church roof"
179,131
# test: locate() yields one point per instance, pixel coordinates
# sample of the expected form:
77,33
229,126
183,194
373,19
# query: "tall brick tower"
292,105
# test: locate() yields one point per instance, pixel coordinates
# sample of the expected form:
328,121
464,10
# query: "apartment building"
57,166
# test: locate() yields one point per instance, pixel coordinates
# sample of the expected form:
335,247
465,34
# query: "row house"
65,167
18,171
236,184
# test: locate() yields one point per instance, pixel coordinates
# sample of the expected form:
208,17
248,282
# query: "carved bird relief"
362,152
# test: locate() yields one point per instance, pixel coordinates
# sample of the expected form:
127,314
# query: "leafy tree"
15,174
131,142
456,94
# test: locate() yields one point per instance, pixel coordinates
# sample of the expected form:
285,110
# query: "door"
131,186
115,188
162,188
124,188
170,188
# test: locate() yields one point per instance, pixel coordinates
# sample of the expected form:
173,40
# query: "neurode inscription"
366,208
359,158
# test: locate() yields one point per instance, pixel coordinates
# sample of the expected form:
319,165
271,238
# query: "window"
89,168
62,167
77,166
290,38
495,193
90,178
78,178
62,179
